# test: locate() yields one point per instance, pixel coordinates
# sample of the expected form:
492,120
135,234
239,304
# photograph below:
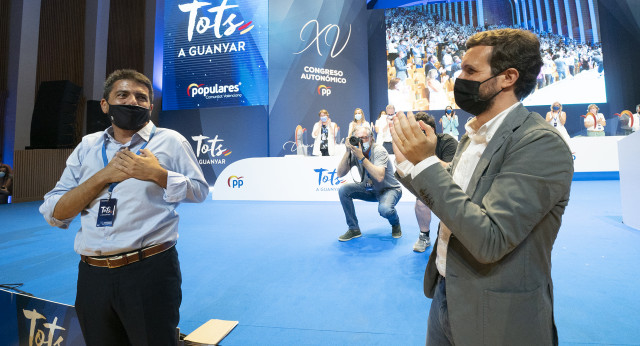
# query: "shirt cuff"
424,164
176,189
47,208
403,168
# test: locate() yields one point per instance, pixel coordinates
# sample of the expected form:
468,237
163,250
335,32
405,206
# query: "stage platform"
278,269
314,178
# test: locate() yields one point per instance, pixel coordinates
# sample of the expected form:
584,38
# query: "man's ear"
511,75
105,106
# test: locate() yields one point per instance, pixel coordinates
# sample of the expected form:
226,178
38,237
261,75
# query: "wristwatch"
361,160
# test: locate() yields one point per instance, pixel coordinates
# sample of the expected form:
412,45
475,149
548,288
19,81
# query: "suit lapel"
512,121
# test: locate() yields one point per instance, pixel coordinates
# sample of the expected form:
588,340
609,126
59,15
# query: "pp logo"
235,182
324,90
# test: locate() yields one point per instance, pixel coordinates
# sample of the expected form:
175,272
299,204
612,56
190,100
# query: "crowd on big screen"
425,43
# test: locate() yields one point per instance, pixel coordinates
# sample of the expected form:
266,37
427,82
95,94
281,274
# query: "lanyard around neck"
106,161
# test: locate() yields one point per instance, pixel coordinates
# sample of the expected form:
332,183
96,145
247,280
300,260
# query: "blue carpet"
278,269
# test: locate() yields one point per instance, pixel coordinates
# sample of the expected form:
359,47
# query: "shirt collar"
488,129
144,133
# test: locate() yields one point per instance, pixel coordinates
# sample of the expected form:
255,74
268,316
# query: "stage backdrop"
215,74
222,135
214,54
320,55
317,60
215,80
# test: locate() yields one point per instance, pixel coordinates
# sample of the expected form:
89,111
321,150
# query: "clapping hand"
413,140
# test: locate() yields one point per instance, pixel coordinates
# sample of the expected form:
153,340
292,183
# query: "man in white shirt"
500,201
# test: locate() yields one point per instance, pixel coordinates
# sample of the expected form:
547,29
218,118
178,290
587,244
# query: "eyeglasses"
364,137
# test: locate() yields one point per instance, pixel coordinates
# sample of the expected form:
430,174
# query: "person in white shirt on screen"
437,94
398,95
594,121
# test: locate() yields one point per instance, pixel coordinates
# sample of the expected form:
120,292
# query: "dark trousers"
438,327
137,304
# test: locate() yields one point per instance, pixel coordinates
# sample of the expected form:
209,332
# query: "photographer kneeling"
377,184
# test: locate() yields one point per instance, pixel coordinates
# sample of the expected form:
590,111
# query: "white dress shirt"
145,211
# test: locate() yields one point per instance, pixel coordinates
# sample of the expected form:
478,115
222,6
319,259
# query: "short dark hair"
128,75
512,48
427,119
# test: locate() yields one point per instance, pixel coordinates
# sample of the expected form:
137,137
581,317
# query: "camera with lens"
355,141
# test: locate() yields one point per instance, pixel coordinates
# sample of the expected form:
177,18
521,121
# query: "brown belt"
128,258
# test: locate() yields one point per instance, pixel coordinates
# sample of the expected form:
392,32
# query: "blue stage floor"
278,269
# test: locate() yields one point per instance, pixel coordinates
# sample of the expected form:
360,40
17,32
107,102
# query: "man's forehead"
477,56
361,131
130,85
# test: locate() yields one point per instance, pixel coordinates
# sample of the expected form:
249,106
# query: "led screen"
215,54
425,45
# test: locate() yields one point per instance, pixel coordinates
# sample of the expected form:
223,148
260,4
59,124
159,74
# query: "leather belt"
127,258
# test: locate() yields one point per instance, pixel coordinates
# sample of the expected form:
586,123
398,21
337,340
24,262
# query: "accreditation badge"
368,185
106,212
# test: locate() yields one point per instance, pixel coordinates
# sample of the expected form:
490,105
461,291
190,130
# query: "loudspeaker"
53,123
97,121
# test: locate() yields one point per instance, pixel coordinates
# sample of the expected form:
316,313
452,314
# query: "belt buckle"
114,265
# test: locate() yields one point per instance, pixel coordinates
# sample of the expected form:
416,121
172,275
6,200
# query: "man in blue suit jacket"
401,65
500,201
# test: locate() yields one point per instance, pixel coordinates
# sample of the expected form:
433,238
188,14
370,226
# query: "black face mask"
467,95
129,117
